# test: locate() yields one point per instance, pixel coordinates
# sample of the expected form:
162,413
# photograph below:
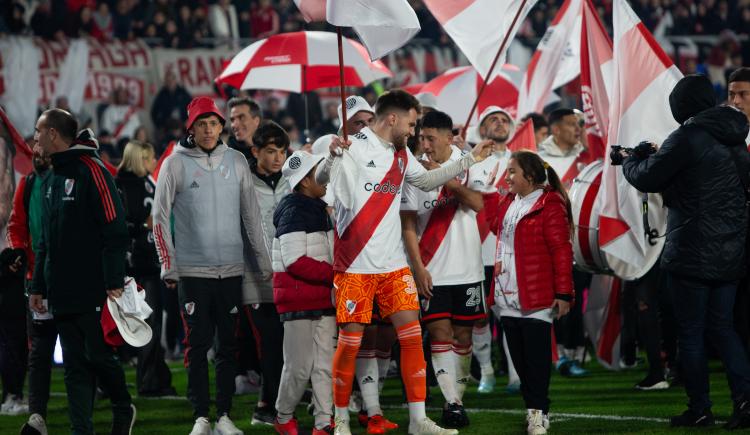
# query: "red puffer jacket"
543,251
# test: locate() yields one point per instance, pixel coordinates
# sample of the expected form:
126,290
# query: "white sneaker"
225,426
536,422
429,427
341,427
545,418
201,427
242,386
14,405
35,425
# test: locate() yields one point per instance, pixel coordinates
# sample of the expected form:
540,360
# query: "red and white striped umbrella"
300,62
457,88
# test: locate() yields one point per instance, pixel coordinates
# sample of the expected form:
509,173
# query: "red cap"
111,334
201,106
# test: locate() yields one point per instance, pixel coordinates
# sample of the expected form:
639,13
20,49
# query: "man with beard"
369,260
24,229
562,148
495,127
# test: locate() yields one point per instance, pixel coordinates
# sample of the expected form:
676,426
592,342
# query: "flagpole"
341,81
492,68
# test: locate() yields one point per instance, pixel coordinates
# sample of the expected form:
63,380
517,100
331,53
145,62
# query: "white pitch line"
567,415
553,415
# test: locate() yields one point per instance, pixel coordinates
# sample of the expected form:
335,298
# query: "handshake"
641,151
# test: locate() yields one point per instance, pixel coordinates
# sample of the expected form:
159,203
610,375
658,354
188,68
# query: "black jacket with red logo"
84,237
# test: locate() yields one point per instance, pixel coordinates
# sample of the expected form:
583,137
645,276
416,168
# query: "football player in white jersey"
442,239
563,147
495,125
374,356
369,259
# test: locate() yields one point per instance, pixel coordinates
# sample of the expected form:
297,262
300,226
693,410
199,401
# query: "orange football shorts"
394,291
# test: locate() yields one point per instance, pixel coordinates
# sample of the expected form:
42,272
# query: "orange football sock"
344,362
413,366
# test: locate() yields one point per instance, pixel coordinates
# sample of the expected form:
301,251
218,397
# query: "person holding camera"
701,170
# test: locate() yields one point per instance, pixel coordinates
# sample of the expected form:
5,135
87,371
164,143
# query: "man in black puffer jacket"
700,170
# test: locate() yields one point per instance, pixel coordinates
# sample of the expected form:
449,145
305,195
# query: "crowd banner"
195,69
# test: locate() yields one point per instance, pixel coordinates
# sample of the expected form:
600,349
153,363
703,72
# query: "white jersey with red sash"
488,177
368,236
567,165
449,237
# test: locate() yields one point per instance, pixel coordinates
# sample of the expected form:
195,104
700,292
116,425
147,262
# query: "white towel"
133,302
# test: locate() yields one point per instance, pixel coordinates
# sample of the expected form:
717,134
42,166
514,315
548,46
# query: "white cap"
355,104
135,331
321,144
426,99
298,165
489,110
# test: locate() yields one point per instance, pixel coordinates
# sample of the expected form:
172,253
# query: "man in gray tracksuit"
207,189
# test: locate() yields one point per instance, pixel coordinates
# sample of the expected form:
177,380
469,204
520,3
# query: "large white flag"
478,26
383,26
643,78
556,60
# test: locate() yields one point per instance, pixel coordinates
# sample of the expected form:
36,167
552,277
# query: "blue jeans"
704,310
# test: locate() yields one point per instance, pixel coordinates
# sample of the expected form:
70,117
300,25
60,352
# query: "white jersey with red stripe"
457,257
368,236
486,177
565,163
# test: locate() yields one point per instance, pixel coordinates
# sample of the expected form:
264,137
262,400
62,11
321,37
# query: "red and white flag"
383,26
596,75
15,162
602,318
555,61
479,26
643,78
523,138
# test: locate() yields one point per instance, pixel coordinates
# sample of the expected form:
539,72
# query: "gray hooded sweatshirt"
212,199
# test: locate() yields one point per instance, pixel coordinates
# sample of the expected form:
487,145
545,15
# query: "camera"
641,151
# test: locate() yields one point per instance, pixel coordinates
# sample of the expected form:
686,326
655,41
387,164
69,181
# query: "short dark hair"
537,119
396,99
247,101
63,122
438,120
558,114
270,133
740,75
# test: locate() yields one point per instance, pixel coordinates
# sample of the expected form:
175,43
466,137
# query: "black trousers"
86,356
42,339
13,354
173,328
152,372
210,306
645,299
269,338
530,346
569,328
